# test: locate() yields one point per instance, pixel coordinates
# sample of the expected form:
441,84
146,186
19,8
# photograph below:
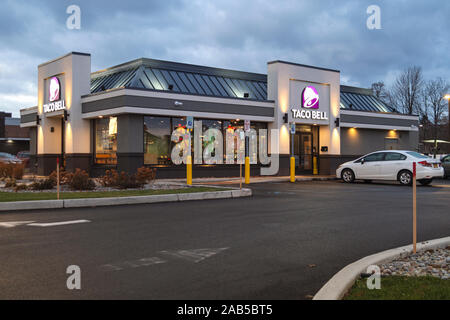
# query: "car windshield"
417,155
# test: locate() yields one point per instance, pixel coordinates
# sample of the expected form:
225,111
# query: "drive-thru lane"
285,242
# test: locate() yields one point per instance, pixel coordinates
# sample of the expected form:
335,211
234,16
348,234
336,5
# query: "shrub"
80,181
18,171
45,184
20,187
145,175
10,183
127,181
110,179
65,177
11,170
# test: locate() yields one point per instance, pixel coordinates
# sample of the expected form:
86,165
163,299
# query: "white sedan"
391,165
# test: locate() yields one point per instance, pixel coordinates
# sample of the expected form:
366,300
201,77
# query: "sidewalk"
235,180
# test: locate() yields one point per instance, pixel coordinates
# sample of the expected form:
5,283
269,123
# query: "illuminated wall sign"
309,114
54,96
310,98
54,106
54,89
307,107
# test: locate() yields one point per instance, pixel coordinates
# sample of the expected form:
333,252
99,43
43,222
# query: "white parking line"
144,262
12,224
53,224
194,255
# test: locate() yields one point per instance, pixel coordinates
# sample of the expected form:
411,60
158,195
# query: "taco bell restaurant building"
122,117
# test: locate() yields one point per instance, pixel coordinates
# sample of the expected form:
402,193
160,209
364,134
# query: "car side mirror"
362,161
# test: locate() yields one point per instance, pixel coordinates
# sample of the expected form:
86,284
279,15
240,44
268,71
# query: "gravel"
432,262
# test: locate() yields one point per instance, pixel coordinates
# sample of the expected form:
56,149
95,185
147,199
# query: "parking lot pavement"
285,242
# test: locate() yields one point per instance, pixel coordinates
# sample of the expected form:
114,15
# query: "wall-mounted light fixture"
38,120
246,95
285,118
336,122
66,115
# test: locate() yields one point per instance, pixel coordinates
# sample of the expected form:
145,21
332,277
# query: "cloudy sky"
234,34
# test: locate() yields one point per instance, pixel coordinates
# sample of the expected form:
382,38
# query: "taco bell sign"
310,98
54,96
309,104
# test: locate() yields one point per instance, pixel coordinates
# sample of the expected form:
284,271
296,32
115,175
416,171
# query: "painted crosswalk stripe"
53,224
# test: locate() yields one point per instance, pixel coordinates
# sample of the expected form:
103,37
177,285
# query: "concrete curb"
32,204
97,202
341,282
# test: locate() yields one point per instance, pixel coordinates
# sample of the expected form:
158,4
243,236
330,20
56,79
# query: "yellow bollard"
292,169
189,171
247,170
315,169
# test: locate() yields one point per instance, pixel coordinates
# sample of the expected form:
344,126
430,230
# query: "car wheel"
405,177
348,175
425,182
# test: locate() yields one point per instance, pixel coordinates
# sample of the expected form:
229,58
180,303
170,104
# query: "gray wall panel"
347,118
169,104
31,117
362,141
33,140
130,133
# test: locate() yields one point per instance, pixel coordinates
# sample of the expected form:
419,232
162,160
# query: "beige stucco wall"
74,71
279,83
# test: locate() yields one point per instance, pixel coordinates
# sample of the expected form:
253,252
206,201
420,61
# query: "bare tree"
406,90
435,104
380,91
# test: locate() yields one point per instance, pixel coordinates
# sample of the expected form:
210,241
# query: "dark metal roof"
360,99
182,78
159,75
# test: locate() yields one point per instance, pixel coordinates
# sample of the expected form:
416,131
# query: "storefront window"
157,131
106,140
157,136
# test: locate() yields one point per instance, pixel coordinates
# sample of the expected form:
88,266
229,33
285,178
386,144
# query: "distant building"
13,138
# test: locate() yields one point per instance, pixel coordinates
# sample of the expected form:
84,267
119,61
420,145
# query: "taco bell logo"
310,98
54,89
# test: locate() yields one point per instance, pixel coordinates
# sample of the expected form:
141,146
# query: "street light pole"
447,96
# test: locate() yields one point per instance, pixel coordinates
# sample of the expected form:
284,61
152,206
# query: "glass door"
306,142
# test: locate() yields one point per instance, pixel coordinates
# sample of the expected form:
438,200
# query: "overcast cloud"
235,34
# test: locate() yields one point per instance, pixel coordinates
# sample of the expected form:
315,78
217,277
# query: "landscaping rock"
423,263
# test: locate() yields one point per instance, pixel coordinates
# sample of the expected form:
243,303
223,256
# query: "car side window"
379,156
394,156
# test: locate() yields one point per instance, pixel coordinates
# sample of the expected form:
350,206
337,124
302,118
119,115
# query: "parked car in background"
391,165
445,161
8,158
24,156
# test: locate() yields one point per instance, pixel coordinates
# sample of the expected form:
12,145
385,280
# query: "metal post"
247,160
292,162
57,178
189,170
448,118
315,169
240,175
414,208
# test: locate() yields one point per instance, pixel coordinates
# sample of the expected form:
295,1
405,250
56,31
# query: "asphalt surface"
285,242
